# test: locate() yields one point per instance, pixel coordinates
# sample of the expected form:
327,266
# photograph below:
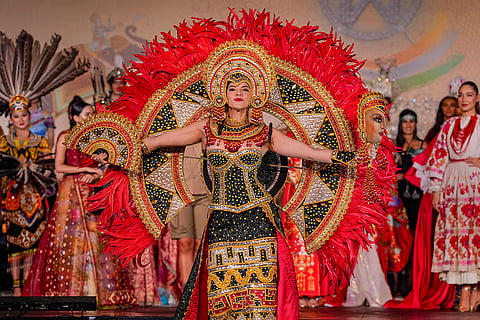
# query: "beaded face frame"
238,60
368,101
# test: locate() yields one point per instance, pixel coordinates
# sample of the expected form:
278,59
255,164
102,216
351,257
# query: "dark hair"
438,120
75,107
400,139
475,88
469,83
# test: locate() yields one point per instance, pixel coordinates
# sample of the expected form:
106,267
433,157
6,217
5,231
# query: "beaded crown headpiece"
234,61
28,72
368,101
18,103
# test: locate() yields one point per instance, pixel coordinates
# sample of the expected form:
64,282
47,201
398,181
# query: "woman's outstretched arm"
289,147
185,136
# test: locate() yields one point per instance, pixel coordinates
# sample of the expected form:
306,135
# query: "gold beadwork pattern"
242,279
235,183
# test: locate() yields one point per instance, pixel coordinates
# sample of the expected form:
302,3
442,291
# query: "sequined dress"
70,260
244,254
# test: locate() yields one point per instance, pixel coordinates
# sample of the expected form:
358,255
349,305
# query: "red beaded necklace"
460,138
234,136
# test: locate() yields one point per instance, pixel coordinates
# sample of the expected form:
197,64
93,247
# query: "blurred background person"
188,226
115,83
448,107
428,292
411,146
42,122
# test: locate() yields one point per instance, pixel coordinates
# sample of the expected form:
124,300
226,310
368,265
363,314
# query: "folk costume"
22,205
298,75
456,251
28,73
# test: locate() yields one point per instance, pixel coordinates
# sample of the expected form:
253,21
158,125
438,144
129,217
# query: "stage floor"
337,313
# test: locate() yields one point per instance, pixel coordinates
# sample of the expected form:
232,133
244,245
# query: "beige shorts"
191,221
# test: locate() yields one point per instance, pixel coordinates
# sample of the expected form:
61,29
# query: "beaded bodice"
234,177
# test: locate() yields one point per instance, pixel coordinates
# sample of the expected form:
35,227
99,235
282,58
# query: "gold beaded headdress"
233,61
18,103
368,101
238,78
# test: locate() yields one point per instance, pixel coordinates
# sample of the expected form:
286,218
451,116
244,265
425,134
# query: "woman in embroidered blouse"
454,173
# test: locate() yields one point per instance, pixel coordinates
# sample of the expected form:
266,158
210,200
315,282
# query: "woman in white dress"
455,185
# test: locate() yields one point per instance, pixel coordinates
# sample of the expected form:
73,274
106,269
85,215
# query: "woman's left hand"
100,158
473,162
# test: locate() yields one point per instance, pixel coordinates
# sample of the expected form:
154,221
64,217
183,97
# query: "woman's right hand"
91,175
436,201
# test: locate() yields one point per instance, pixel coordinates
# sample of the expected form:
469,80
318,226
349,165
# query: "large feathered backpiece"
30,71
316,94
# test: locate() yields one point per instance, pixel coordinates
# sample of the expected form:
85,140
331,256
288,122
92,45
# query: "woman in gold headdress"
244,230
22,202
28,73
211,85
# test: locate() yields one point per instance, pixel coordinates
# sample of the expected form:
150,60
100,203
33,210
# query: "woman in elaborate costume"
26,75
70,260
454,171
212,84
22,202
369,281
